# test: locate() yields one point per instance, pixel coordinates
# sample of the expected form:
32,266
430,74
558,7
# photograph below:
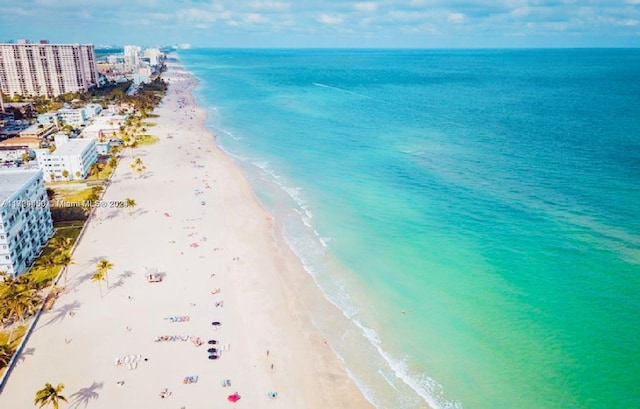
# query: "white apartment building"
131,56
70,161
70,116
12,153
25,219
106,127
47,69
48,118
154,55
92,110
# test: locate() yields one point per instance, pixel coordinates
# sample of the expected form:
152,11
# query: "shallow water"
492,195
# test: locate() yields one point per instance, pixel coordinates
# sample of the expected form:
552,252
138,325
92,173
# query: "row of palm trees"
20,296
102,273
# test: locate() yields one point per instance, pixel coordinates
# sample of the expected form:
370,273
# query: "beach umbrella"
233,398
215,323
212,342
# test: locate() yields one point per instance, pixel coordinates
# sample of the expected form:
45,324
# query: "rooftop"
13,179
20,141
72,147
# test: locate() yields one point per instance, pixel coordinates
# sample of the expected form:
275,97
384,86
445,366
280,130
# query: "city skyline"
342,23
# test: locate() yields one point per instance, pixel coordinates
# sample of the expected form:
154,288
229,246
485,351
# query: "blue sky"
336,23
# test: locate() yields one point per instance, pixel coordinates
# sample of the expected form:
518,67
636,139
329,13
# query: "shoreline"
210,233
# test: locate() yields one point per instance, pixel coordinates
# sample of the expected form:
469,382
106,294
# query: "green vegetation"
18,333
22,296
48,265
146,139
75,195
50,396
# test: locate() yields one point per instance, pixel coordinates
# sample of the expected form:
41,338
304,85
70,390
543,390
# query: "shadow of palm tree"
112,214
116,284
59,314
85,395
25,353
121,279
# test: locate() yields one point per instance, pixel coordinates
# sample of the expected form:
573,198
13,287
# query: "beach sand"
198,222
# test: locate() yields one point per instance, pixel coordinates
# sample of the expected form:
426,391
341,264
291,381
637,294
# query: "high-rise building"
25,219
47,69
131,56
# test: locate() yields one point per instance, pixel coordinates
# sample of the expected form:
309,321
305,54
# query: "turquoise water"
494,196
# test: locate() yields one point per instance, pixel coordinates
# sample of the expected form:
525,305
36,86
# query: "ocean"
475,214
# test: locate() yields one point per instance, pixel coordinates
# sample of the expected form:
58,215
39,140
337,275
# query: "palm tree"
65,260
6,353
130,204
94,169
50,396
105,265
98,277
61,244
132,145
18,302
138,161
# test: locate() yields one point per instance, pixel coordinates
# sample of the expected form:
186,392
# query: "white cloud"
629,23
369,6
456,18
330,19
84,14
19,11
196,16
254,18
520,12
270,5
407,16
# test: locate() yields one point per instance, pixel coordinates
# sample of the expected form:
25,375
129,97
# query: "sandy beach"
221,258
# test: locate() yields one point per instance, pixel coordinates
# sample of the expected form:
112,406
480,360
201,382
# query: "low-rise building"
71,160
25,219
103,148
32,143
13,153
104,127
72,116
48,118
92,110
38,131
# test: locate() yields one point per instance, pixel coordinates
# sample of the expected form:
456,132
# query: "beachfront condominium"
25,219
46,69
71,160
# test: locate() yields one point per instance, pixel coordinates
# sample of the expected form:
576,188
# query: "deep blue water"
493,195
